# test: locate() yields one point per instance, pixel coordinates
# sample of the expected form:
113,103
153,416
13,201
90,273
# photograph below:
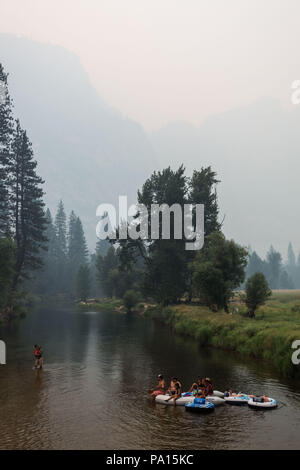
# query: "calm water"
91,393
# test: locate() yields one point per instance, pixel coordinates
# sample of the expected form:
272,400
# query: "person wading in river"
38,355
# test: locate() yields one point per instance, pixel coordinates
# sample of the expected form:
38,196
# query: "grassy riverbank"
268,336
103,304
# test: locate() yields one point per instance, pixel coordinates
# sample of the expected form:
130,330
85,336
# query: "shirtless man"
160,388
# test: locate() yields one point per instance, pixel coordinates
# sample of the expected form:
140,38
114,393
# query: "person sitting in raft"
198,392
176,392
199,384
208,388
172,387
160,388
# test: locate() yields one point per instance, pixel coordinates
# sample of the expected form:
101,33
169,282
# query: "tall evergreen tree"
26,196
274,261
6,134
45,283
291,259
255,265
61,229
77,249
83,283
60,225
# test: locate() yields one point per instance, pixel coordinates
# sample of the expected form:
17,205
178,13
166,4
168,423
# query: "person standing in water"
38,355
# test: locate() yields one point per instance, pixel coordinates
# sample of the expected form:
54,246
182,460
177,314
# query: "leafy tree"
257,292
165,262
83,283
130,300
7,257
26,197
6,134
202,188
218,269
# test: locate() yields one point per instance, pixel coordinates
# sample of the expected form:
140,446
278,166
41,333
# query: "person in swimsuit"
175,392
38,355
160,388
199,383
208,388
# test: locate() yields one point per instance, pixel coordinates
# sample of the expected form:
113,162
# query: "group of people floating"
201,388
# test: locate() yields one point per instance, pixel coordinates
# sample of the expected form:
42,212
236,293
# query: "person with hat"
160,388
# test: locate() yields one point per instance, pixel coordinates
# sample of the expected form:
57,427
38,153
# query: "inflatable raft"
215,399
164,400
200,405
262,402
237,398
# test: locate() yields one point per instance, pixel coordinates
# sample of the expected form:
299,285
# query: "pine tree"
6,133
274,261
77,249
83,283
46,280
61,229
291,256
60,249
26,197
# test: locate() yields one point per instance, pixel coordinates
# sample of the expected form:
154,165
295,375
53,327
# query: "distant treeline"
279,275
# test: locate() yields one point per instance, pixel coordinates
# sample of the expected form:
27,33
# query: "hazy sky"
163,60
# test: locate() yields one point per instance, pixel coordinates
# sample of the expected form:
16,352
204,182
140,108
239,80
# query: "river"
92,392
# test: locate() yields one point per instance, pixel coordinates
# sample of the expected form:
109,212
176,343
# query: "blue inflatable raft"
199,405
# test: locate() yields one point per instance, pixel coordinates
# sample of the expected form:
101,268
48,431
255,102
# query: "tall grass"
269,336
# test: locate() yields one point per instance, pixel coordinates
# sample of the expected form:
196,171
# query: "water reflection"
91,392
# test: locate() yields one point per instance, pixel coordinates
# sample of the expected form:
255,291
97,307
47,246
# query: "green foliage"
26,196
257,292
166,274
130,300
7,261
269,336
6,133
217,270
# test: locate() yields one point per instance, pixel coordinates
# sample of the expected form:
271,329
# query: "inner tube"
237,399
217,401
218,394
163,400
259,402
200,405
